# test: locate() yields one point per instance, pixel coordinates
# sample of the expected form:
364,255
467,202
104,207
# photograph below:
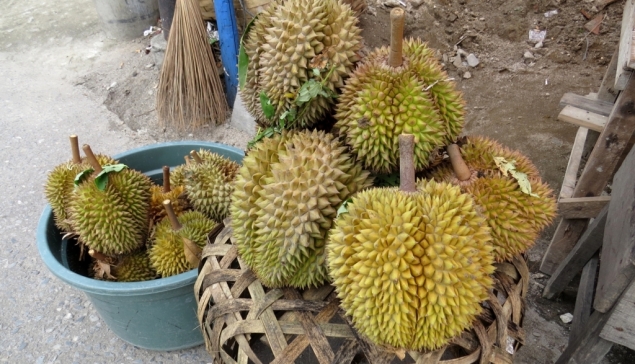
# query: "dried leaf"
320,61
401,353
102,270
504,165
192,252
521,178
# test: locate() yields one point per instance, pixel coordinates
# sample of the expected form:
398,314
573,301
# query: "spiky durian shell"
177,175
283,41
60,185
209,185
378,103
113,221
515,218
134,267
411,268
286,197
167,253
176,196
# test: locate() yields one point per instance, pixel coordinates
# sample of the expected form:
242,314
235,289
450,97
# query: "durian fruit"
177,175
516,217
288,40
113,221
167,192
286,196
209,184
411,265
401,89
167,253
133,267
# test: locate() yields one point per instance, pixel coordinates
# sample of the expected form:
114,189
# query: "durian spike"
91,158
196,157
166,179
397,20
77,159
406,163
176,225
97,255
461,169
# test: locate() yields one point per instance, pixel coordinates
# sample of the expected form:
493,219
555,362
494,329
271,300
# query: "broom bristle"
190,90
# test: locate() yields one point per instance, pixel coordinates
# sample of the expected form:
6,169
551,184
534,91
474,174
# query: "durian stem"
461,170
397,20
196,157
97,255
91,158
166,179
406,163
77,159
176,225
187,160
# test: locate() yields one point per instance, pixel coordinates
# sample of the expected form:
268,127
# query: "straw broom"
190,90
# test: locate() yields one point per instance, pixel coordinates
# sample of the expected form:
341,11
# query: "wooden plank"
589,348
620,328
625,57
587,246
618,251
591,104
607,91
582,207
584,299
599,169
571,175
587,119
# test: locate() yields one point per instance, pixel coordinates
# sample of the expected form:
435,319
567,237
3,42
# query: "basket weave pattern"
234,309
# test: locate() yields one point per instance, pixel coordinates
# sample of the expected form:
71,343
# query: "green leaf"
343,208
316,72
243,59
387,180
101,181
267,108
308,91
81,176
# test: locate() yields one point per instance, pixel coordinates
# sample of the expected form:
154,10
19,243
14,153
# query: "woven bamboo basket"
244,322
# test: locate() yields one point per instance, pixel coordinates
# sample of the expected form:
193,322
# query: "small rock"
461,53
134,74
150,65
391,3
538,45
467,75
457,62
446,58
93,318
528,55
68,316
415,3
536,334
566,318
472,61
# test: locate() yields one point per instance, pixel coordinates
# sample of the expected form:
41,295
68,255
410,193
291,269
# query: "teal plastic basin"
158,314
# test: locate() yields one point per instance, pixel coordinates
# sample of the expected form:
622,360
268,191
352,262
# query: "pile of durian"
132,229
412,263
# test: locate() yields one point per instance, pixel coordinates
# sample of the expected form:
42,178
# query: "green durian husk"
135,267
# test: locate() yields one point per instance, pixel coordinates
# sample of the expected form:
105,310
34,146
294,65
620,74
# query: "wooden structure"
243,321
578,242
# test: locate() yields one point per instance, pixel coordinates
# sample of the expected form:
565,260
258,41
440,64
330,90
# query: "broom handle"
166,179
406,163
91,158
75,149
176,225
461,170
196,157
397,20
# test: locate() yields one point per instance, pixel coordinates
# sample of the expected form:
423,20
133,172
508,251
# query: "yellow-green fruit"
515,217
134,267
287,195
380,102
287,41
209,185
113,221
411,269
167,253
176,196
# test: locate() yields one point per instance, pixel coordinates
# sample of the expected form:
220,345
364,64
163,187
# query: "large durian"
516,217
286,196
401,89
289,39
167,253
114,220
411,265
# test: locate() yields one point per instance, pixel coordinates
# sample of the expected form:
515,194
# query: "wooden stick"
91,158
397,20
176,225
196,157
461,169
406,163
166,179
188,160
97,255
75,149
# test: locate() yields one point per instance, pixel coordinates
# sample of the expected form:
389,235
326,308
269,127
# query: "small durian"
515,216
114,220
288,40
209,184
401,89
411,265
134,267
170,192
286,196
167,253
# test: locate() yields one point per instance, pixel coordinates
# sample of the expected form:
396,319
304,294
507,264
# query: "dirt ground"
512,96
